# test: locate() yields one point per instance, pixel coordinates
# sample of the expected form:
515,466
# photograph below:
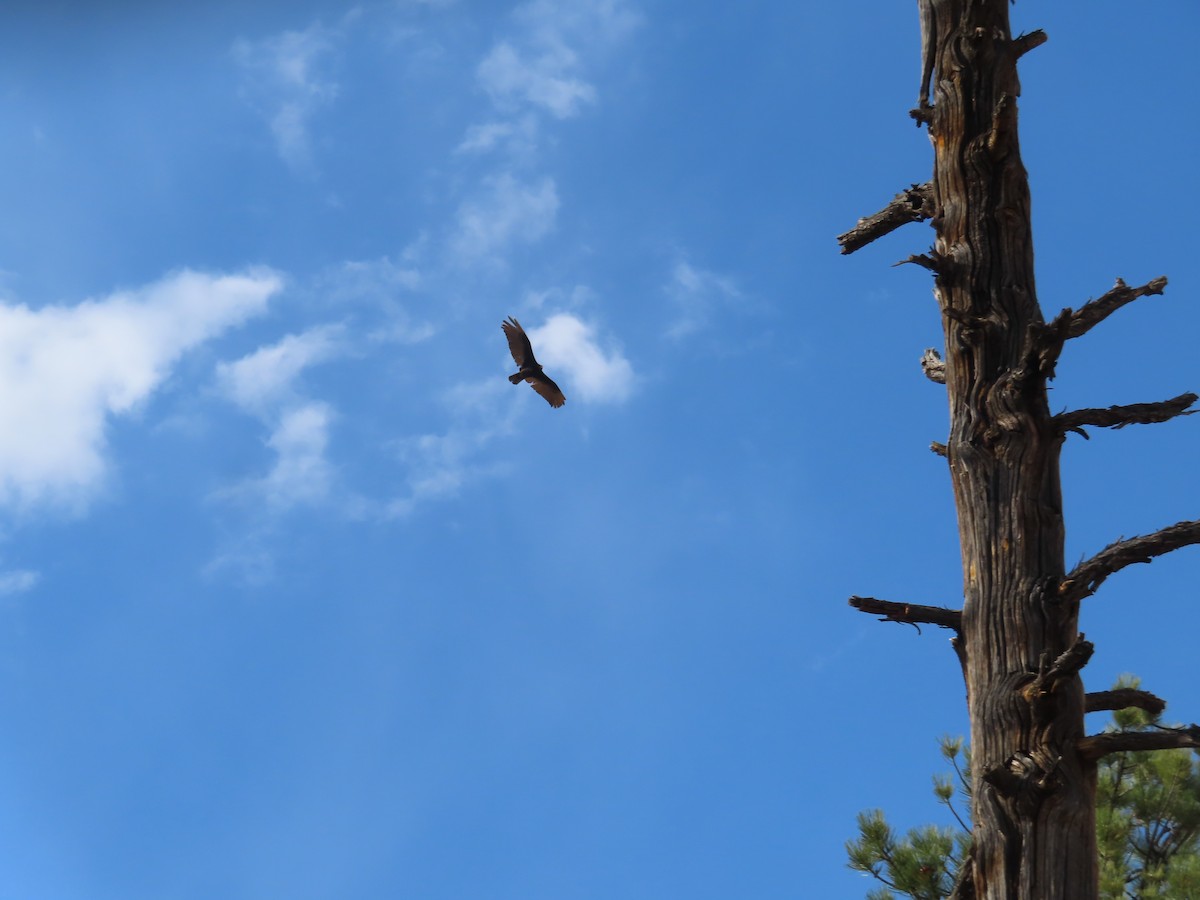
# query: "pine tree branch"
1095,746
1120,416
1085,579
914,204
1123,698
909,613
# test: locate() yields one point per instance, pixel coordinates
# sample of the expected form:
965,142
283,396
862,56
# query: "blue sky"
300,598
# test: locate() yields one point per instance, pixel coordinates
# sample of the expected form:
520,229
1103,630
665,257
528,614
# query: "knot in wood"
1023,780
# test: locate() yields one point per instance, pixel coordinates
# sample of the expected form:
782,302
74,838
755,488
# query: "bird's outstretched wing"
548,389
527,364
518,344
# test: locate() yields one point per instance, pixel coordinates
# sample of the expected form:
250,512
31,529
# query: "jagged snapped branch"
1066,665
1023,43
1039,692
933,366
1076,323
909,613
1085,579
1092,313
913,204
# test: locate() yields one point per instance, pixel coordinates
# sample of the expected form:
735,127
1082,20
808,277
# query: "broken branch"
1085,579
1026,42
1095,746
914,204
1123,698
1131,414
1076,323
1041,687
924,260
1096,311
1066,665
909,613
933,366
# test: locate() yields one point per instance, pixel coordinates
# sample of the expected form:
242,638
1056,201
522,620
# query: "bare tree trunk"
1035,830
1033,768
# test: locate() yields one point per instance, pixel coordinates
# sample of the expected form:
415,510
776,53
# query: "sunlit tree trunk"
1033,770
1035,830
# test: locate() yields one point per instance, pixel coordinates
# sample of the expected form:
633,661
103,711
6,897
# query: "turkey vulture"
529,370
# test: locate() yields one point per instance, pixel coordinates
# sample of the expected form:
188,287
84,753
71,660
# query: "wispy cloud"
288,78
17,581
65,370
539,68
380,288
438,465
301,474
262,383
263,379
543,79
519,135
568,344
508,211
696,295
595,21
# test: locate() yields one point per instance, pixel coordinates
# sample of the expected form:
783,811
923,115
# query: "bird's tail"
517,378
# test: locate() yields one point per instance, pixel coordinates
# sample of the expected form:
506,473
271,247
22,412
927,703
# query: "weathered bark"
909,613
910,205
1017,636
1034,816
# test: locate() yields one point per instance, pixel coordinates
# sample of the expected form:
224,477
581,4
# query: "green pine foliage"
1148,819
1147,822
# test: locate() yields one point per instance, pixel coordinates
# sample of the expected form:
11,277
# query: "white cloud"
301,474
539,67
566,344
262,383
264,378
696,294
584,20
439,464
508,211
373,279
287,79
542,80
518,135
64,371
17,581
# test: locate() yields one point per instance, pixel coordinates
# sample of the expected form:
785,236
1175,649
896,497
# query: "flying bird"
528,367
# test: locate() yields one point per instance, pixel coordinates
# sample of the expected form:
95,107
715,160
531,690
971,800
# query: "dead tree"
1017,634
